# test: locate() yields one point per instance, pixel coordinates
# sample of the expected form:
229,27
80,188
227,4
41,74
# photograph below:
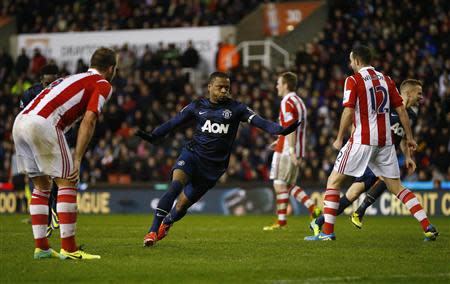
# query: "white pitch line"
338,279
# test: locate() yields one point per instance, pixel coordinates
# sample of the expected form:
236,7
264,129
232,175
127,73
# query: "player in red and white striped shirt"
289,150
43,153
368,98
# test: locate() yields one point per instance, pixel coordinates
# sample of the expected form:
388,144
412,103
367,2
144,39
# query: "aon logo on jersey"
398,129
215,127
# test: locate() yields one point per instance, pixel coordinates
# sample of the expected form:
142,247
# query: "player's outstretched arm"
159,132
272,127
182,117
145,135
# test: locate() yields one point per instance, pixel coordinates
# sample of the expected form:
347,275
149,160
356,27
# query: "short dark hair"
103,58
50,69
363,53
410,82
217,74
290,79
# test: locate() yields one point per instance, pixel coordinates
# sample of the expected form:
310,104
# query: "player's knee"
279,186
355,191
351,195
42,184
64,183
335,180
180,176
45,191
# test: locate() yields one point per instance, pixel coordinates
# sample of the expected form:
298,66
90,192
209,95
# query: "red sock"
282,203
330,206
303,198
39,218
67,213
410,200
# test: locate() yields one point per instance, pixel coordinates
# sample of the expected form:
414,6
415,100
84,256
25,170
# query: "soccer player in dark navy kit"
49,73
204,159
411,93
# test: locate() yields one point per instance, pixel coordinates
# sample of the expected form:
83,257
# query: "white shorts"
41,148
283,171
353,159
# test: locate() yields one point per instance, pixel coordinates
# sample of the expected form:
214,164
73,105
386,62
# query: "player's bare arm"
291,140
346,121
404,119
85,133
409,162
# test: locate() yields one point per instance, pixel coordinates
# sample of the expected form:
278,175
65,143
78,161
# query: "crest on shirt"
181,163
227,113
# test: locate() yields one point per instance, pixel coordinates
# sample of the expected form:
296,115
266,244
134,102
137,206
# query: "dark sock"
165,204
343,203
174,216
52,203
371,196
320,220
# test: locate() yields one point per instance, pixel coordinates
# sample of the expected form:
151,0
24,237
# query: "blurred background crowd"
410,40
45,16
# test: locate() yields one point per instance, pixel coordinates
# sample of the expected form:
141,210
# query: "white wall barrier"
69,47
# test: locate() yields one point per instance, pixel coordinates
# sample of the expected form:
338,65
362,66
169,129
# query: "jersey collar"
290,94
93,70
365,68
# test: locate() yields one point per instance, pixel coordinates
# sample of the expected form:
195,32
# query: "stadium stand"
410,39
62,16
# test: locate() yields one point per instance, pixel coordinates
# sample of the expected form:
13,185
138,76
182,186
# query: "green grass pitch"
218,249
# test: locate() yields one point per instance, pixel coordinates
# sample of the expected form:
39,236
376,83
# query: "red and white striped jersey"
65,101
372,95
292,109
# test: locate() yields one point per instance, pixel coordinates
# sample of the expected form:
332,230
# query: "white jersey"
292,109
372,95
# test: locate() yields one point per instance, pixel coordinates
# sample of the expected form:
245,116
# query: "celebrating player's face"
415,95
219,89
281,87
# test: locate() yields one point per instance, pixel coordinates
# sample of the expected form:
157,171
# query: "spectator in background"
172,52
37,62
21,85
81,66
444,84
159,55
127,60
23,63
227,56
190,57
6,65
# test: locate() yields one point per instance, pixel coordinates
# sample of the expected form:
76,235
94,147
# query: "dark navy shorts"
202,176
368,178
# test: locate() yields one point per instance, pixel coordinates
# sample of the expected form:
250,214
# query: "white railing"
265,58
